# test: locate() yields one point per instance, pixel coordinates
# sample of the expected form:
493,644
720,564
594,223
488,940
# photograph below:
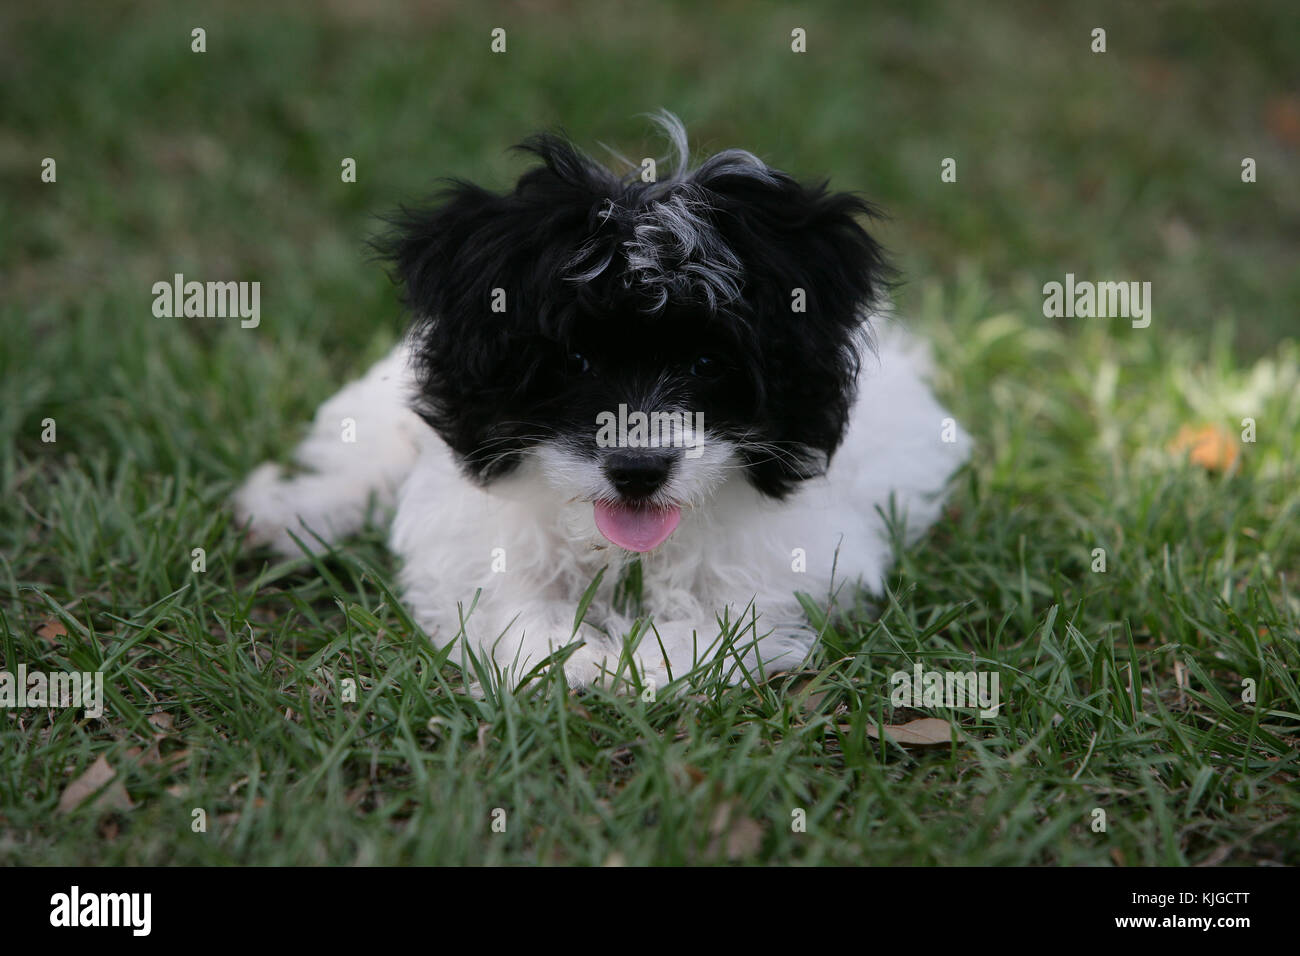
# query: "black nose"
638,474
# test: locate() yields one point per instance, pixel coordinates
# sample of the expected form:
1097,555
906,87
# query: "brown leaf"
812,702
734,832
1282,114
233,817
926,732
172,762
51,631
1219,854
153,755
161,723
99,777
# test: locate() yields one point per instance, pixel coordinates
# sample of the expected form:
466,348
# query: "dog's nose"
638,474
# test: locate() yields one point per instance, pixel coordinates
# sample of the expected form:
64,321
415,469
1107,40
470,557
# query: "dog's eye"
575,363
706,366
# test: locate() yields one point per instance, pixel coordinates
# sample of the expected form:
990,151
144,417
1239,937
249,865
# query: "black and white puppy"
693,374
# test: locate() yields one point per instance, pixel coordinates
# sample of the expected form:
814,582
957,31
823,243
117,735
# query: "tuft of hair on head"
674,131
672,241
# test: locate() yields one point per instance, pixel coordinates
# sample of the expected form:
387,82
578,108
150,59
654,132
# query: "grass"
1123,689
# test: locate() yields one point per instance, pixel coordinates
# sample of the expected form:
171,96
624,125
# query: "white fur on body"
734,555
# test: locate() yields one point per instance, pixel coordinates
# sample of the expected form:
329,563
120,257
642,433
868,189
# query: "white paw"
264,504
612,667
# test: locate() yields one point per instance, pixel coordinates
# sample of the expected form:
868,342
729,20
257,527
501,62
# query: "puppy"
676,401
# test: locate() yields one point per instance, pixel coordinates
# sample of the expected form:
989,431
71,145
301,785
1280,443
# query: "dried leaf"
51,631
734,832
1219,854
1282,114
1210,446
161,723
171,762
99,775
812,702
153,755
697,775
926,732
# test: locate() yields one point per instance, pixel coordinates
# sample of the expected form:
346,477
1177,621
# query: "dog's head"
645,340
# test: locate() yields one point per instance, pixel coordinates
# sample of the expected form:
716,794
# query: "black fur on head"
536,309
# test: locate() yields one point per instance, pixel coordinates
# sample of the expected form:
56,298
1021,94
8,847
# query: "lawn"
1161,690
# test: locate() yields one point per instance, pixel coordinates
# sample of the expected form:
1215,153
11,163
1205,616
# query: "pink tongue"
636,529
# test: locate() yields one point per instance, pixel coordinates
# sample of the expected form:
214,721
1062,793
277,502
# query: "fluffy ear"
481,275
433,249
792,236
814,273
450,254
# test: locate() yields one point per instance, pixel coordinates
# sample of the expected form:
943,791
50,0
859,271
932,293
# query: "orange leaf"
1210,446
51,631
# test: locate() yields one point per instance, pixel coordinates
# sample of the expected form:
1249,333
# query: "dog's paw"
275,507
600,665
263,505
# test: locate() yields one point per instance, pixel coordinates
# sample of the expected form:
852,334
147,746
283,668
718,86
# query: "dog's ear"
813,274
452,254
434,249
792,236
480,273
